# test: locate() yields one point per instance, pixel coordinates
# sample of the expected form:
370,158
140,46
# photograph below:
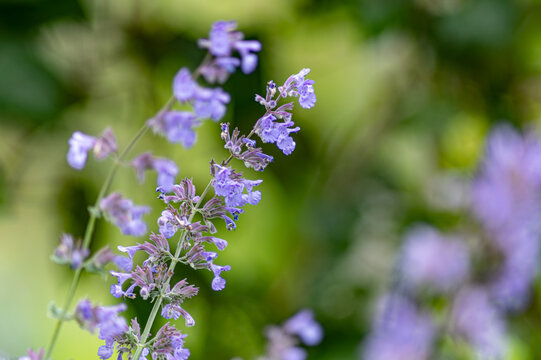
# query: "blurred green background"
406,90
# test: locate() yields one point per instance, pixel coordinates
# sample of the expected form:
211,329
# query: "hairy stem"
92,221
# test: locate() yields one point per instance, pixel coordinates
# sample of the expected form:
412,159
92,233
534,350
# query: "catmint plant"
189,215
432,265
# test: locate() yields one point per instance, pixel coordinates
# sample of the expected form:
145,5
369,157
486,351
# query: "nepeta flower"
304,325
222,41
400,331
183,85
124,214
176,126
218,283
231,186
430,259
111,327
477,320
282,342
272,132
207,102
80,144
169,344
105,256
69,253
507,200
166,169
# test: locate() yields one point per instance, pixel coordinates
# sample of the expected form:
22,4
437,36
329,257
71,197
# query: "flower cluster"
178,126
111,327
506,196
187,214
222,41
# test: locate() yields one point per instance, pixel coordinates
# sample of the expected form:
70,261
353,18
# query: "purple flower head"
399,331
174,310
176,126
218,283
231,186
272,132
69,253
111,327
210,103
477,320
506,198
124,214
430,259
507,191
169,344
298,85
511,285
303,325
183,85
223,39
105,145
79,146
105,256
166,169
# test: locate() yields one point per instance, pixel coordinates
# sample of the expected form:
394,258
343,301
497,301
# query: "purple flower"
79,146
167,169
69,253
303,325
183,85
506,198
111,327
400,331
231,186
124,214
169,344
272,132
176,126
298,85
477,320
223,39
210,103
430,259
218,283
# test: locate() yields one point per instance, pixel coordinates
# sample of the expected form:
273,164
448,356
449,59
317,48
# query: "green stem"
92,221
157,304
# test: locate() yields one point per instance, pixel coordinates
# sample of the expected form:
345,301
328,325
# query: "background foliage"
406,90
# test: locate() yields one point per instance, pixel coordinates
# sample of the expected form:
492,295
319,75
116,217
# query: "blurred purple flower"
166,169
222,41
506,198
304,325
124,214
67,252
476,319
400,331
80,144
430,259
